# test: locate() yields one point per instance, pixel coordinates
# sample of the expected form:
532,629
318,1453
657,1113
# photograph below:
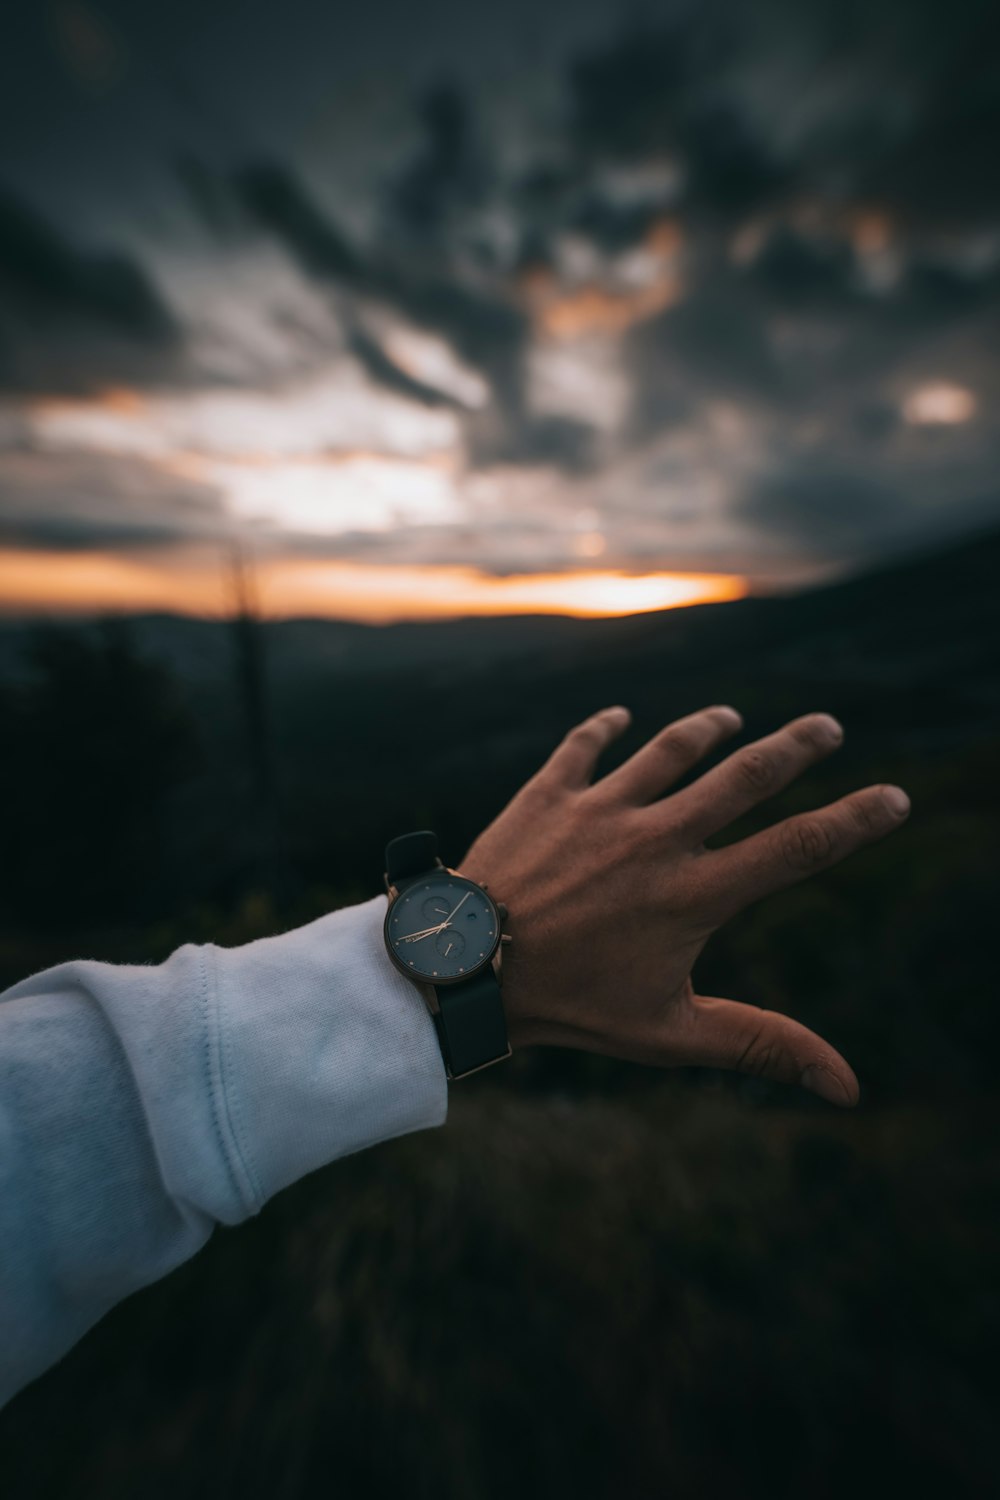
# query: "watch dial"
443,928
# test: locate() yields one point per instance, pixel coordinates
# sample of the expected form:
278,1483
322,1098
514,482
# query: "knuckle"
676,744
756,770
806,843
542,789
760,1056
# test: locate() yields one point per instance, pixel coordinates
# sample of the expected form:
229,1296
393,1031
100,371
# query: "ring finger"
752,774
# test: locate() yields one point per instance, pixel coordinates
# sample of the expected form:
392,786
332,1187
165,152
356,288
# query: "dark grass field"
595,1280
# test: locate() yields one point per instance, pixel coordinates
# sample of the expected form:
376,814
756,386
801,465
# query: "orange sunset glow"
74,583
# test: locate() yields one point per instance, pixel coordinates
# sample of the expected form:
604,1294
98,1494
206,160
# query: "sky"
458,308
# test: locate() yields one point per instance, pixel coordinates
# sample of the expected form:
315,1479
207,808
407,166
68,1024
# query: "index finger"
574,760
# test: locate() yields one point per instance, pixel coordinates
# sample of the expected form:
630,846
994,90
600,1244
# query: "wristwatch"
444,932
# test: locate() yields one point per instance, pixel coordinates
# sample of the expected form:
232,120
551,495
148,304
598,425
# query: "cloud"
70,317
387,373
82,500
450,173
44,276
825,507
211,197
278,202
826,188
760,106
712,345
658,91
485,331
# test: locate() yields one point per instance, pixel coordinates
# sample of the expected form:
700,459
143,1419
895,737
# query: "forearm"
141,1105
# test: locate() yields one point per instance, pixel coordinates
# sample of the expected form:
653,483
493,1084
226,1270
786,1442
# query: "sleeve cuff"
322,1048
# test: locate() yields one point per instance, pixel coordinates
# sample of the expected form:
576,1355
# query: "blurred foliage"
597,1280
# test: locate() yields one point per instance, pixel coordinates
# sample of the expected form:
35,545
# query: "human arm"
140,1106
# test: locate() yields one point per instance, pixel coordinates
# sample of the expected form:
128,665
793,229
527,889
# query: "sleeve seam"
225,1110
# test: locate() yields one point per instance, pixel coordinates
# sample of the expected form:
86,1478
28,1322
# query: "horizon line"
44,583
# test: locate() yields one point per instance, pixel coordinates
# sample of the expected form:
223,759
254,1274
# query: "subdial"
436,908
449,944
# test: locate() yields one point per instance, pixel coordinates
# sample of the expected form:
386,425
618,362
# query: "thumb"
766,1044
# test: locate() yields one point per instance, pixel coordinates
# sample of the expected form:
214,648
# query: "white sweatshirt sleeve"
142,1105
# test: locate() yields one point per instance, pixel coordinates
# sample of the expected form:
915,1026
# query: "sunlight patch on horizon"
74,583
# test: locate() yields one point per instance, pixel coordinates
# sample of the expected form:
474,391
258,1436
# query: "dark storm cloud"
485,331
764,134
211,197
554,442
826,510
897,104
826,507
44,276
278,202
796,271
940,169
388,374
92,500
714,342
653,92
74,318
450,172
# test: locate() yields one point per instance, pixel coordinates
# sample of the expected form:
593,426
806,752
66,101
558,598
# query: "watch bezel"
422,977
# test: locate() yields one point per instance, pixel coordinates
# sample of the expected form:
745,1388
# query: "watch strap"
410,855
470,1024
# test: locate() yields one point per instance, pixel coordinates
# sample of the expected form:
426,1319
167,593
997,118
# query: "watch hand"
412,937
451,914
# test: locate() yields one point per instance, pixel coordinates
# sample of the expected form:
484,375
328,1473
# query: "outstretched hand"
613,894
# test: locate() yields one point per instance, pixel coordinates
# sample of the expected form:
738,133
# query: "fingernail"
896,800
826,1084
830,727
619,712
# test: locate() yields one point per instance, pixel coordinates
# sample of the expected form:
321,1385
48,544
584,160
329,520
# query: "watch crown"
506,938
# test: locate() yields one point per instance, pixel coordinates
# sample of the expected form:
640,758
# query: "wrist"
522,992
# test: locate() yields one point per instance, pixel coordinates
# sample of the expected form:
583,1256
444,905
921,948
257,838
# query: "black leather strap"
410,855
470,1025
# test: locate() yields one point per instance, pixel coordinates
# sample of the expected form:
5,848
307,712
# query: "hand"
613,894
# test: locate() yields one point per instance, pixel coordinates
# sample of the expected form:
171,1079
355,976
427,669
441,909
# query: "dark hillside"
597,1281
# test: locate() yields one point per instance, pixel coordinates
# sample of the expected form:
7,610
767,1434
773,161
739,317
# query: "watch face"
442,928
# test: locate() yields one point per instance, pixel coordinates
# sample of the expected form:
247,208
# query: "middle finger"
752,774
